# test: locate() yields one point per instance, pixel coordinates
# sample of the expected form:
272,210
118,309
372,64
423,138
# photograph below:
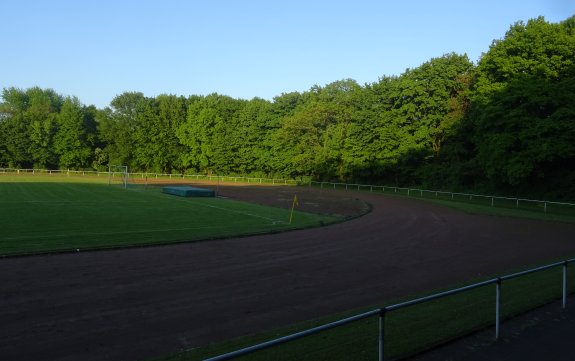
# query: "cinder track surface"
135,304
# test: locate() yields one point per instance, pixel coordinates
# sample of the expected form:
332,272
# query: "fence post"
491,201
564,284
381,334
408,192
545,207
497,307
517,206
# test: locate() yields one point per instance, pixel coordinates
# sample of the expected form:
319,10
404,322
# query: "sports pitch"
50,214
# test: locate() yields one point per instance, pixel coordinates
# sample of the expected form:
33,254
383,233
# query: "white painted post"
382,334
564,284
497,307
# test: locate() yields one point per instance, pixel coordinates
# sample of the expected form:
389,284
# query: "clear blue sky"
96,49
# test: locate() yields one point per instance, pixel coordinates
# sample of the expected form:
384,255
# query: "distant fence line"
144,175
381,313
439,194
487,199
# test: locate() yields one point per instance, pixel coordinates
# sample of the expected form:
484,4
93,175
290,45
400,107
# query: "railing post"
382,334
497,307
564,284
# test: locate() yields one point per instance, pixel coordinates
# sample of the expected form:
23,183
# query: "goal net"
118,174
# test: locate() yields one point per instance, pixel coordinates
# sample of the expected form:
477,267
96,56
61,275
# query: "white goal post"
118,174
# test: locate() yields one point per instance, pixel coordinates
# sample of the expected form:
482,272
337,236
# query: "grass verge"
480,205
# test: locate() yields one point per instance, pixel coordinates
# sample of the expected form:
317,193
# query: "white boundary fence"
382,312
410,192
415,192
140,175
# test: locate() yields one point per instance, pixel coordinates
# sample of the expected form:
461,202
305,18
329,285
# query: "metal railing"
384,311
437,194
142,175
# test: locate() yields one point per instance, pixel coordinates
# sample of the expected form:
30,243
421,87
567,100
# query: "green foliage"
523,108
74,140
504,125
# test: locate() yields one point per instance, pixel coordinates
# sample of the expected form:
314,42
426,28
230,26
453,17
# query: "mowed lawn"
38,216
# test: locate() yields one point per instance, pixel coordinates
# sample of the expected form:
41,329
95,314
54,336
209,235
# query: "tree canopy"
505,124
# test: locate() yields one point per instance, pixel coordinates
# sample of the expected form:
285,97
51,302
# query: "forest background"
505,125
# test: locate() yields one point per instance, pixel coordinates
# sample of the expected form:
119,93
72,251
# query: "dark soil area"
135,304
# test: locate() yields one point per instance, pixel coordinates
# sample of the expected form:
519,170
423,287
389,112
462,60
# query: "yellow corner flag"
295,203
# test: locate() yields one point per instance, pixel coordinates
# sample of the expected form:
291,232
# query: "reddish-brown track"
135,304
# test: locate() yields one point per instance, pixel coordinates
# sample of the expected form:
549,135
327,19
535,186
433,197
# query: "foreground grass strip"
37,217
408,331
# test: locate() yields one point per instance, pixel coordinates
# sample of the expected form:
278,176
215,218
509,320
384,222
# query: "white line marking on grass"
245,213
187,201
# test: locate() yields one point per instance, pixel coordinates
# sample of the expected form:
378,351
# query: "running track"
141,303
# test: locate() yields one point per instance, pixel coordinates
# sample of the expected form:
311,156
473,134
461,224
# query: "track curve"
135,304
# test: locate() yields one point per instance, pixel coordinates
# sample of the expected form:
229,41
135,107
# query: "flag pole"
292,207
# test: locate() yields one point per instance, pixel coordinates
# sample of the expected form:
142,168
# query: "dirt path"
140,303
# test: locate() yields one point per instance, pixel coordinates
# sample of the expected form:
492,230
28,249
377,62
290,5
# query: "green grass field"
57,213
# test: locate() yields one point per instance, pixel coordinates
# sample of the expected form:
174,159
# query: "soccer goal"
118,174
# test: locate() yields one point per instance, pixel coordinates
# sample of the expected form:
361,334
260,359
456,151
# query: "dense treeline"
505,125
